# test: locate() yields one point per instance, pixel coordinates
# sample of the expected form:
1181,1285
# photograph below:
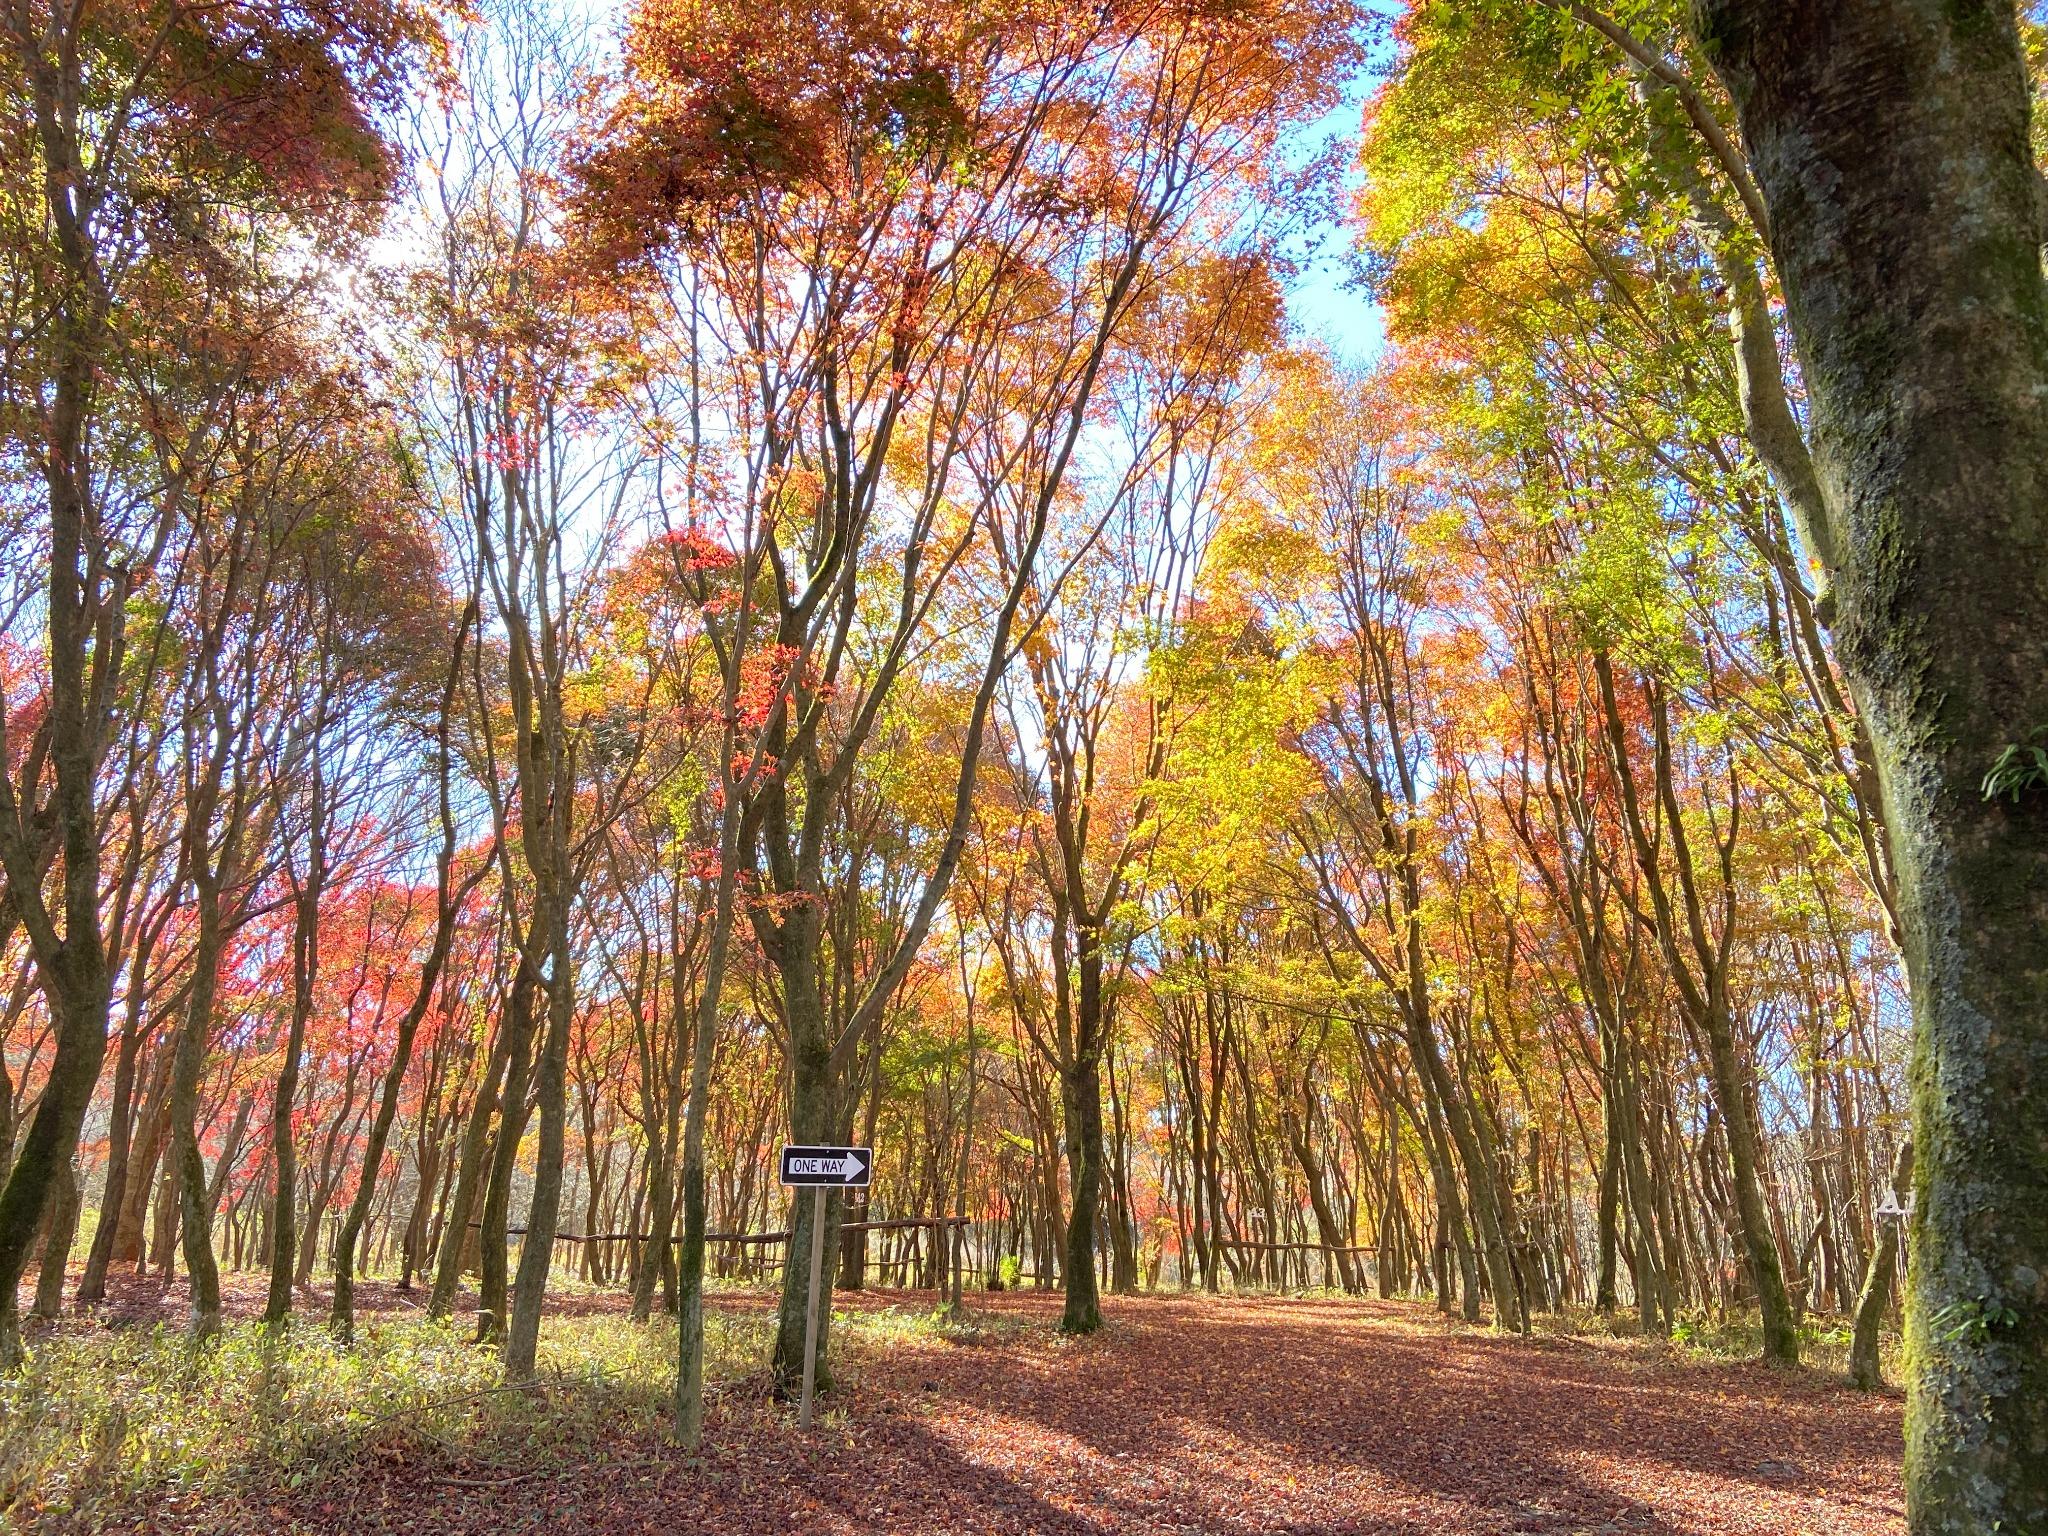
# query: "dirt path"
1225,1418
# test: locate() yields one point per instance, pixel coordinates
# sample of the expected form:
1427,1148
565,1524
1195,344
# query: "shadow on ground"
1224,1417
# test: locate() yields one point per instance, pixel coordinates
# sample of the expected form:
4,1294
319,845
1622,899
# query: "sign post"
819,1169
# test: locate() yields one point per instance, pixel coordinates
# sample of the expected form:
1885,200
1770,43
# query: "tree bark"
1890,140
92,1285
1605,1298
341,1312
194,1037
469,1170
305,972
49,1302
1696,933
1876,1297
536,1248
689,1262
85,623
1081,1101
814,1118
496,1215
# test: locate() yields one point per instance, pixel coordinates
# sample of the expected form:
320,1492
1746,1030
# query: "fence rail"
902,1224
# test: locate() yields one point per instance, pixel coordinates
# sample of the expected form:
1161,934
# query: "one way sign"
848,1167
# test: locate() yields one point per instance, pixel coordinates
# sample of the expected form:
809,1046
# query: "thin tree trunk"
284,1231
476,1141
194,1036
1876,1296
447,912
496,1215
551,1080
690,1258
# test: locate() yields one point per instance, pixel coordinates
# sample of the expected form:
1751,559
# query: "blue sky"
1323,301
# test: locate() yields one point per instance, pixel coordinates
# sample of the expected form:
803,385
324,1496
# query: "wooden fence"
738,1241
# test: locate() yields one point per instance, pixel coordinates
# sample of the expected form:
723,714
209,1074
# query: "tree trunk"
476,1138
341,1312
1890,141
496,1215
284,1238
1081,1099
1445,1097
1876,1296
1081,1108
1695,931
814,1120
194,1036
1656,1298
958,1238
447,909
147,1150
1606,1296
84,622
1329,1231
49,1303
92,1285
536,1249
1123,1225
1451,1233
689,1261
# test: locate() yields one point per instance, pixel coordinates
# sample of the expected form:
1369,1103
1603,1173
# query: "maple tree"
115,260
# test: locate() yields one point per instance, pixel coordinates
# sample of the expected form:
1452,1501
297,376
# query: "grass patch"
99,1423
1709,1338
103,1423
881,1327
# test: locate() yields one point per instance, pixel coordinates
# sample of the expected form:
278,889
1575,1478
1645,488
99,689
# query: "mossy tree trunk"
493,1263
49,1303
85,599
814,1119
1890,142
1081,1101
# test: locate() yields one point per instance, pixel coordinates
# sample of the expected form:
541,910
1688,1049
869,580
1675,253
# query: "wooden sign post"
820,1169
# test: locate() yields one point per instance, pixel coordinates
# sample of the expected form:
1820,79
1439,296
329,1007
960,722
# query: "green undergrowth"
1713,1339
101,1424
964,1326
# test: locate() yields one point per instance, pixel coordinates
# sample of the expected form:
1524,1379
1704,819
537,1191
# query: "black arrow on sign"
850,1167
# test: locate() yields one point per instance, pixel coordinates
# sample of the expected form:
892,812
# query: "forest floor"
1240,1416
